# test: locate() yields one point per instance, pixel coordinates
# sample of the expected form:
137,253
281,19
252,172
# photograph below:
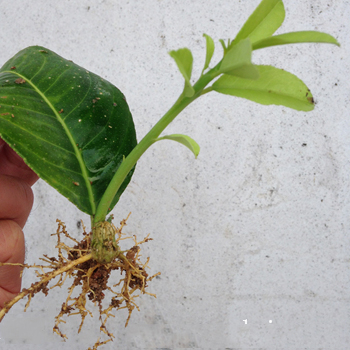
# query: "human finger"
12,164
16,199
11,251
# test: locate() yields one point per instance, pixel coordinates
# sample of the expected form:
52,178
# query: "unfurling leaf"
210,50
72,127
185,140
295,38
223,44
263,22
184,60
274,86
238,61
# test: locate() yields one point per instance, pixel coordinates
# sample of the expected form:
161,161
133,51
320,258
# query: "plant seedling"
75,130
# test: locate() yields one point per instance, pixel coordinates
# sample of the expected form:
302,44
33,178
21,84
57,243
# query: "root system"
76,262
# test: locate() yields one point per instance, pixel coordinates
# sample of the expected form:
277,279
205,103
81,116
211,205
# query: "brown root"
91,277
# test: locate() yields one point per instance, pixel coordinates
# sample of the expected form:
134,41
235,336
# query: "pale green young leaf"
184,60
295,38
238,61
263,22
210,50
274,86
185,140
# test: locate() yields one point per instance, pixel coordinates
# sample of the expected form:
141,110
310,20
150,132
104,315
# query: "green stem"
130,161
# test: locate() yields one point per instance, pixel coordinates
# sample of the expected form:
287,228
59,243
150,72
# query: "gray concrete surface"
256,229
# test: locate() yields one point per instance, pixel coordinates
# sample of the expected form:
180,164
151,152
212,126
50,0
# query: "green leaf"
263,22
275,86
72,127
184,60
185,140
237,61
295,38
210,50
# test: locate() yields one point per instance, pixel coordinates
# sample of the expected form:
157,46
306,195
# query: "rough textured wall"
257,228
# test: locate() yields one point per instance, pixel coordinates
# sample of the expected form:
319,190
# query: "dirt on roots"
75,262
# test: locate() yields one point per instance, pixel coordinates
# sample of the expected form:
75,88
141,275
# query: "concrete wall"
257,228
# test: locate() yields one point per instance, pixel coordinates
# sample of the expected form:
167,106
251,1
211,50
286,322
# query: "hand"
16,200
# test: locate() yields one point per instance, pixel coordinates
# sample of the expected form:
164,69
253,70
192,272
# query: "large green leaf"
72,127
295,38
263,22
274,86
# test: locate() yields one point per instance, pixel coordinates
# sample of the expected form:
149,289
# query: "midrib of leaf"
260,23
70,137
56,166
